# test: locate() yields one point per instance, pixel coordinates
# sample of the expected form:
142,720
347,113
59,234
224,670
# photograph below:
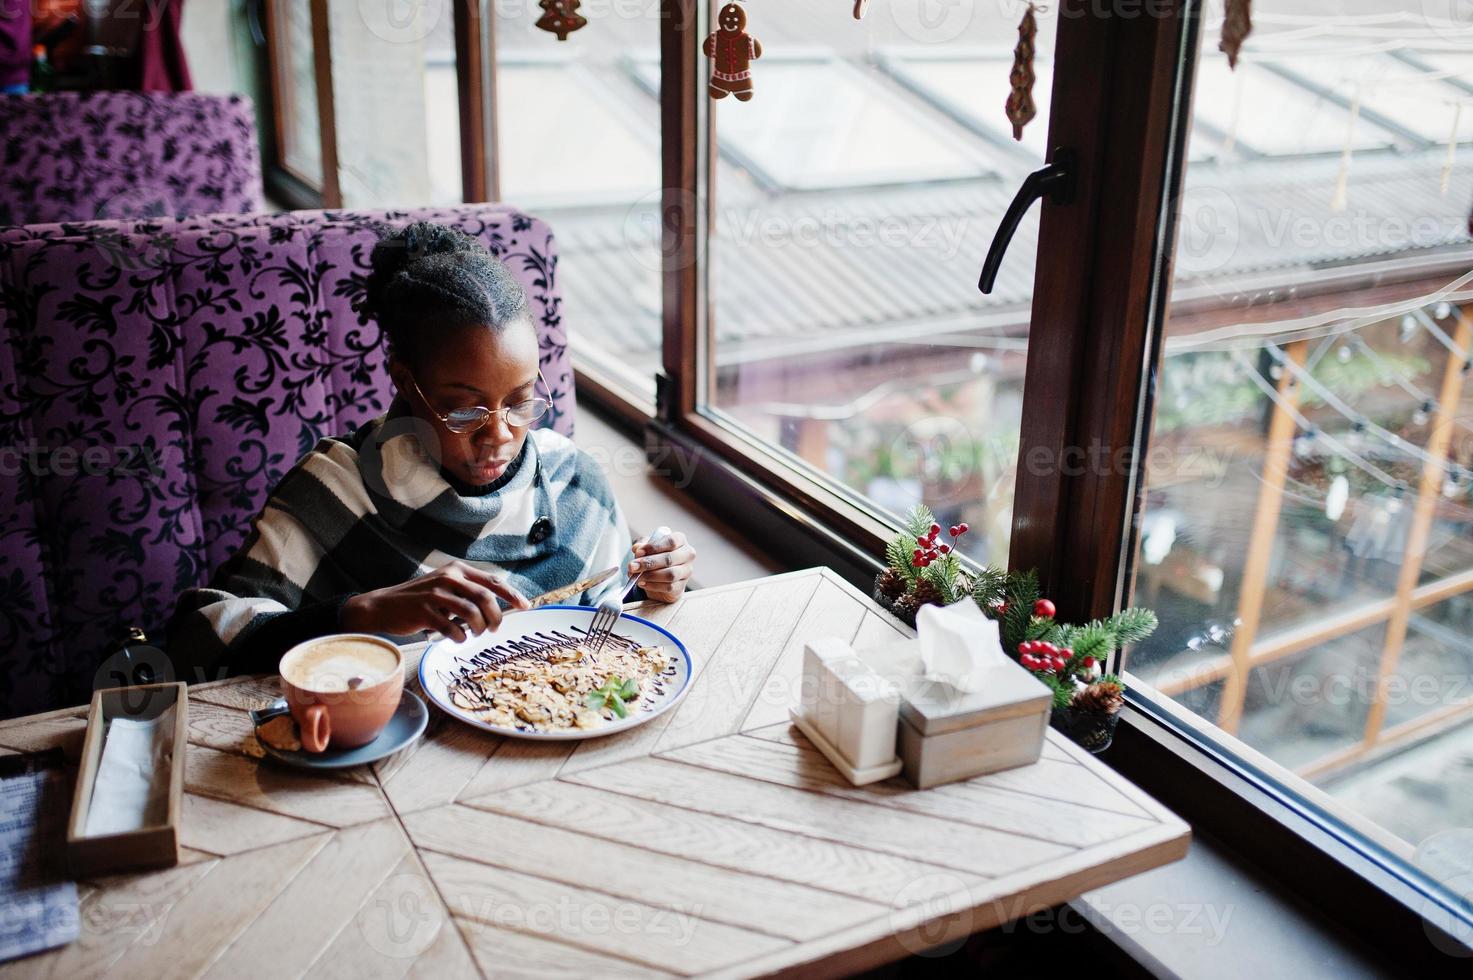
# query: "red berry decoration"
944,548
962,529
1044,609
1089,663
935,530
955,530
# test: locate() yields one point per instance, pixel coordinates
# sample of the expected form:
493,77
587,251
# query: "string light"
1360,425
1335,445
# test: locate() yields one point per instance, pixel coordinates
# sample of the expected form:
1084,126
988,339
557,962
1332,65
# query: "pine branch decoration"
990,587
897,556
1023,592
918,522
1131,626
1064,690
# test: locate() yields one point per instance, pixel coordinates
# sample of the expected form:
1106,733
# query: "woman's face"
476,366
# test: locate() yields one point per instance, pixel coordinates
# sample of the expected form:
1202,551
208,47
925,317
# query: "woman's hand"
429,601
664,567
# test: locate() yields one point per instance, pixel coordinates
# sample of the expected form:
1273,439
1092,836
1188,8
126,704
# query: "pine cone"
1101,697
890,583
905,608
926,591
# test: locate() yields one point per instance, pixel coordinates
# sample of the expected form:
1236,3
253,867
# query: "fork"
609,611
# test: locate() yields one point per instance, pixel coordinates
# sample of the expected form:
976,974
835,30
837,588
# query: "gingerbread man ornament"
732,50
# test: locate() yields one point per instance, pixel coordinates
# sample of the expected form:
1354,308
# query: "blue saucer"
404,729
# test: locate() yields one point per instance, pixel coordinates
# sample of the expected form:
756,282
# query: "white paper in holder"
959,645
131,790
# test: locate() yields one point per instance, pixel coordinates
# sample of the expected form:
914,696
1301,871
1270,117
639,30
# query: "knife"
569,591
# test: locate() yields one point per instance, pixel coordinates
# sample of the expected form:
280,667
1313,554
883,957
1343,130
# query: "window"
1306,525
577,136
395,103
850,204
298,138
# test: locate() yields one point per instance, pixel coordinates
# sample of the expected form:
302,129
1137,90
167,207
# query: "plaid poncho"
372,510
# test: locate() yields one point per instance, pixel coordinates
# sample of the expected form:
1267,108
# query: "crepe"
543,683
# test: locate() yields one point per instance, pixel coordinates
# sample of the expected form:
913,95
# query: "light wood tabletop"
713,840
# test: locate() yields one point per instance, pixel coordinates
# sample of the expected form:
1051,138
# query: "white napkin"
132,786
959,645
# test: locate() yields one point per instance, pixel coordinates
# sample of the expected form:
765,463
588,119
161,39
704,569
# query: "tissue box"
155,845
948,735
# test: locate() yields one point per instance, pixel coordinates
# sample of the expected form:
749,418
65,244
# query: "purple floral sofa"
156,379
83,156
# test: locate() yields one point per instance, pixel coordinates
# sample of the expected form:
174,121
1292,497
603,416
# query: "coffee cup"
342,689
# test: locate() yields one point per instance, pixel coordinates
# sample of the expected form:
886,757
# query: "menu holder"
136,823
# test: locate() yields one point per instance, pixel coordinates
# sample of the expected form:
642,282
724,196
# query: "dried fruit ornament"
1020,107
732,51
1237,24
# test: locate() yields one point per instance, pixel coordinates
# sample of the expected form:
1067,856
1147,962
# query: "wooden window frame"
281,181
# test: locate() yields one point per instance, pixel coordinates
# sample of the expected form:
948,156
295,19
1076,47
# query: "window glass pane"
295,90
851,202
578,144
1305,532
396,104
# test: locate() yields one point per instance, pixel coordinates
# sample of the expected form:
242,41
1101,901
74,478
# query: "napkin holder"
848,712
152,846
947,735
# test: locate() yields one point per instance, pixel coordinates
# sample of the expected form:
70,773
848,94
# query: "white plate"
445,658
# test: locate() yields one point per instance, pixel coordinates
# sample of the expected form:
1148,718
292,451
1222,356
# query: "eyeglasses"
463,421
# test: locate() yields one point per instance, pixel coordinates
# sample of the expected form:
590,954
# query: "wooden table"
712,840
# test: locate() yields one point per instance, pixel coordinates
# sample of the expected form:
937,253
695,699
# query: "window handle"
1056,181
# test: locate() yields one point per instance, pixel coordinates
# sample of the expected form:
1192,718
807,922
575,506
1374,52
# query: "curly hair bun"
428,277
398,252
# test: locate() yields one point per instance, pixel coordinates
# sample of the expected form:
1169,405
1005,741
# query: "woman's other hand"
664,566
429,602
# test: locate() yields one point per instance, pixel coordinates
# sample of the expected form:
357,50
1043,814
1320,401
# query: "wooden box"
946,735
155,845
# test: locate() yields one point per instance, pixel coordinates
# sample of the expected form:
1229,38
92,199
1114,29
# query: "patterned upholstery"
156,380
73,156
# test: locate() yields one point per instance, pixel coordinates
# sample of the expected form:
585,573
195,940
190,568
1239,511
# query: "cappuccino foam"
329,667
